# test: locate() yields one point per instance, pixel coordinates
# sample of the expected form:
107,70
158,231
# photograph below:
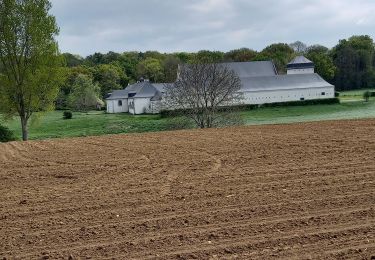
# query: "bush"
6,135
366,96
337,94
68,115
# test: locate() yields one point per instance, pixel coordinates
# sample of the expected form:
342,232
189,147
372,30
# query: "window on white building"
120,103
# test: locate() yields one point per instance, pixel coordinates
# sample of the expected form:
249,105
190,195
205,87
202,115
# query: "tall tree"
151,69
85,94
279,53
109,77
324,65
170,67
73,60
30,57
354,61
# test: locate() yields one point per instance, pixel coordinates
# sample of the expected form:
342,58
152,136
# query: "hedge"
326,101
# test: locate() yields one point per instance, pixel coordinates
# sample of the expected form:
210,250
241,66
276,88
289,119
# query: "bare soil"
301,191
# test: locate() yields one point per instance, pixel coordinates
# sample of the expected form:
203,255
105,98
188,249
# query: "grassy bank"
51,124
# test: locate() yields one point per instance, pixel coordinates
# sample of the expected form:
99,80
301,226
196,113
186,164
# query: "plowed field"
302,191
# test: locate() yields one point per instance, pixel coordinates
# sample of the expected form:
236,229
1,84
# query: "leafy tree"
111,57
324,65
170,67
85,94
281,54
185,57
129,62
62,100
109,77
240,55
354,61
31,70
153,55
317,49
205,56
151,69
95,59
73,60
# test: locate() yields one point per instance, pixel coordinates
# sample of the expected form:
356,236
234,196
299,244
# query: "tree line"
349,65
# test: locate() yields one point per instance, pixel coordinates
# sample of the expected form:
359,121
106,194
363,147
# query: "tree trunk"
25,131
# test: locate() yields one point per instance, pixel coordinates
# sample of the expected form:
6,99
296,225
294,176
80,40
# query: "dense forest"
349,65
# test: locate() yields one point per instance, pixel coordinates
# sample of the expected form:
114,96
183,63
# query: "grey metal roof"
145,90
118,94
161,86
253,68
282,82
138,90
300,60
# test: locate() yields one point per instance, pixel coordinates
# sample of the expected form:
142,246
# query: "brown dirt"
302,191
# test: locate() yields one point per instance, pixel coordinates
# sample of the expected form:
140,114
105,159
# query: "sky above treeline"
89,26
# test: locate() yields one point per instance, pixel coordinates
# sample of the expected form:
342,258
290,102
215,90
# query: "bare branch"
203,92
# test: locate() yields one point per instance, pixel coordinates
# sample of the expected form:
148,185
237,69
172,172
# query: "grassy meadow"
52,125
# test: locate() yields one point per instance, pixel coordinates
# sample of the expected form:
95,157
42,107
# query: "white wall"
141,105
301,71
276,96
114,107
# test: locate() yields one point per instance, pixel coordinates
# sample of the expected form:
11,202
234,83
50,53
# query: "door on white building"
110,107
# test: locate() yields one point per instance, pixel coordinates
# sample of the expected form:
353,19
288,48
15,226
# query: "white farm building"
261,84
140,98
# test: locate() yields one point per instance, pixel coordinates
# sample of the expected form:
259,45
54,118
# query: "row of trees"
349,65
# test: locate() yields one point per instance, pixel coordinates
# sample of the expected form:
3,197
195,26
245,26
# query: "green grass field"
51,124
353,95
282,115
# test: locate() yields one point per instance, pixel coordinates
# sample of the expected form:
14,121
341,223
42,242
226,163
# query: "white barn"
266,86
261,84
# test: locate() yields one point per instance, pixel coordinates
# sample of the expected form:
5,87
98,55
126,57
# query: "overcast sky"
89,26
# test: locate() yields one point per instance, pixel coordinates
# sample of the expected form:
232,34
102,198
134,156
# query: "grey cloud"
89,26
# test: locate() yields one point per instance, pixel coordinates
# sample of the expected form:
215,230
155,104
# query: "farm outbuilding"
139,98
261,84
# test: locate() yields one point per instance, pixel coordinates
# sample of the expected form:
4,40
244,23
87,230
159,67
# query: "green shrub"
337,94
6,135
68,115
366,96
